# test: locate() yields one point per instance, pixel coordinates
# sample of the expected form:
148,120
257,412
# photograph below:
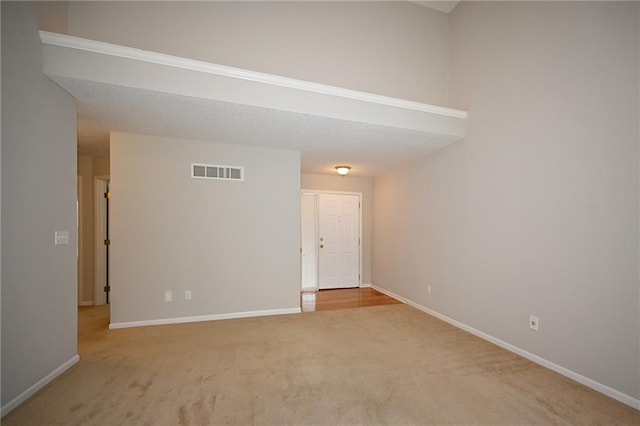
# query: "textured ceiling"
323,142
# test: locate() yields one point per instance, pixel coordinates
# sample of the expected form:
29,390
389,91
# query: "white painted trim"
99,47
86,303
199,318
366,285
329,191
597,386
11,405
309,289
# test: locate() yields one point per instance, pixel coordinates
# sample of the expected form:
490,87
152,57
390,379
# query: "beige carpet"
380,365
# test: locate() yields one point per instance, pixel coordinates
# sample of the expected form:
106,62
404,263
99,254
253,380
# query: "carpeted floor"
379,365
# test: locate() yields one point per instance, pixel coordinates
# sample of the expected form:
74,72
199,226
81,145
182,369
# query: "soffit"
131,90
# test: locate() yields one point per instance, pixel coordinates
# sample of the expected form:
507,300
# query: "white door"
338,231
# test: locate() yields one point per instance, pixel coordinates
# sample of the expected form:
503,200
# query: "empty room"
317,212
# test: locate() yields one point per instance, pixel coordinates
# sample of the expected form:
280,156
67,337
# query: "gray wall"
234,244
536,210
51,15
39,323
350,184
396,49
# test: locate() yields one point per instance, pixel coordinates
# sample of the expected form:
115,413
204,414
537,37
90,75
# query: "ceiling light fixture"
343,170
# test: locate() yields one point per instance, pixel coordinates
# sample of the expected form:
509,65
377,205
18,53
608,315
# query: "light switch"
62,238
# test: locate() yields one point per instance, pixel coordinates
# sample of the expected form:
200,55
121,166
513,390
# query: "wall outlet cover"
534,323
62,238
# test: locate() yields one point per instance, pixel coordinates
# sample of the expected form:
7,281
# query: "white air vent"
209,171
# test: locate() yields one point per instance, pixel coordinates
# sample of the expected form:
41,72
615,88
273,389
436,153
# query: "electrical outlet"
187,295
168,296
62,238
429,289
533,322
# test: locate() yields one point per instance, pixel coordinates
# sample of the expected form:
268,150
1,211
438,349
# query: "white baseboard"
365,285
597,386
86,303
9,406
199,318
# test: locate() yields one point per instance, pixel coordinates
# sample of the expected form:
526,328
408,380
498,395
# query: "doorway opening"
331,249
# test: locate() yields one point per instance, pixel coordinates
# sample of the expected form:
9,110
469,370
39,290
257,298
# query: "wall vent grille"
210,171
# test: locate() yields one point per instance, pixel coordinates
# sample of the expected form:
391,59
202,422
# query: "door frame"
100,221
304,194
79,254
317,236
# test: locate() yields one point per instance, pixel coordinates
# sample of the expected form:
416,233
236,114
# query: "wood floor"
328,300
